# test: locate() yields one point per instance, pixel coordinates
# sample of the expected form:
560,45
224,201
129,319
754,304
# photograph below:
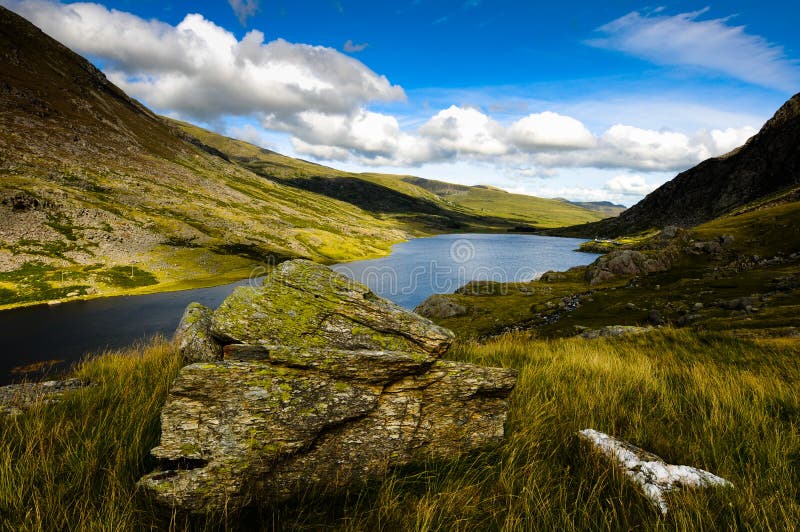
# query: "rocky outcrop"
322,384
650,473
439,306
193,335
627,262
16,398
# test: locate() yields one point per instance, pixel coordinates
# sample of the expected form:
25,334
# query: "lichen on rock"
323,384
193,335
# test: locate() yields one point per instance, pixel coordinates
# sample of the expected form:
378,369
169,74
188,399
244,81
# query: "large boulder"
304,304
625,263
322,384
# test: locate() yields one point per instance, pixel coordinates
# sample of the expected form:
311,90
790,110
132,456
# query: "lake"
414,270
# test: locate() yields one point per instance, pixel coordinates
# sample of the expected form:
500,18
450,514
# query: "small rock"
654,476
439,306
193,335
655,317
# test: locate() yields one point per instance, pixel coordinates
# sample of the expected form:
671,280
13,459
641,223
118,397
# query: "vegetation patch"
125,277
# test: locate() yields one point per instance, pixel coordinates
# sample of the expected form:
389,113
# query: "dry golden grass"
723,404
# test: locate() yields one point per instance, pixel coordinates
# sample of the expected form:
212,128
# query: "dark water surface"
414,270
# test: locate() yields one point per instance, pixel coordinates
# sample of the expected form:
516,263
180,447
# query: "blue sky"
585,100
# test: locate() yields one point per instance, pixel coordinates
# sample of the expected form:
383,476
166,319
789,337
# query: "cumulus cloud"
550,130
321,98
630,185
351,48
713,45
244,9
201,70
465,131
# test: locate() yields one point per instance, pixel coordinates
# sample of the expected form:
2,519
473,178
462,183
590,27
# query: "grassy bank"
706,400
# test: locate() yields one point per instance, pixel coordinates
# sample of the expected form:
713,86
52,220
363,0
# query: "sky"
585,100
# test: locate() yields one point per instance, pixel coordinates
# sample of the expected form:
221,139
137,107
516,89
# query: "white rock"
653,476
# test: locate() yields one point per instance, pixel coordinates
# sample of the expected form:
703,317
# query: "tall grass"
74,465
722,404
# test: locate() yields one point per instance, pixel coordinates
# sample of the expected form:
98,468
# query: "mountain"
419,203
98,195
605,208
765,169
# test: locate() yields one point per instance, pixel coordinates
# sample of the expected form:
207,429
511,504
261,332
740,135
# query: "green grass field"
701,399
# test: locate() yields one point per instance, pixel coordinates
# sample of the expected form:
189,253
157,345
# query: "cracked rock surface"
654,477
322,384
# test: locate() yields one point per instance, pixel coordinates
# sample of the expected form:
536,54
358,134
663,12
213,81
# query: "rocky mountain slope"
99,195
766,168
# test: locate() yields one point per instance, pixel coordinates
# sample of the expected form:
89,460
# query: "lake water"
439,265
413,271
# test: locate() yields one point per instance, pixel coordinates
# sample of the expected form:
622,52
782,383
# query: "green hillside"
420,204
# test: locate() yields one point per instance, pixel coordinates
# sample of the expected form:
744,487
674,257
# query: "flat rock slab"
239,432
652,474
16,398
304,304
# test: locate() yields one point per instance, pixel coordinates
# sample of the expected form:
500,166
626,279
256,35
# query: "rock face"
193,335
439,306
316,397
654,477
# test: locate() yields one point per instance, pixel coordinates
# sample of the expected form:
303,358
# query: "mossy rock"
304,304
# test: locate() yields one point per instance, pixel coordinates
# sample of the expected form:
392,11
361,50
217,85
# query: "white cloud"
350,47
244,9
465,131
201,70
550,130
713,45
249,133
630,185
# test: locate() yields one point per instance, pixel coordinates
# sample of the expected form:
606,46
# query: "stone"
611,331
321,385
550,276
304,304
439,306
242,432
16,398
651,474
193,335
655,317
627,262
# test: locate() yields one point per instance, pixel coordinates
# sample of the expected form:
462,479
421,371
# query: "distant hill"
424,204
765,169
605,208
